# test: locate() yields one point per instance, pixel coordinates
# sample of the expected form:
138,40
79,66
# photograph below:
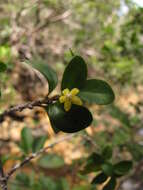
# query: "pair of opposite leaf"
68,113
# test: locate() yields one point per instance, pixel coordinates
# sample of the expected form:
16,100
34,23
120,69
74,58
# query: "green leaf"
23,178
5,158
107,169
101,138
38,143
93,163
107,152
75,74
97,91
100,178
51,76
121,137
26,140
136,150
3,67
51,161
63,184
76,119
45,183
123,167
120,115
111,184
48,183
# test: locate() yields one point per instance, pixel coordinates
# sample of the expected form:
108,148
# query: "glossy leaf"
47,71
123,167
97,91
3,67
76,119
100,178
75,74
111,184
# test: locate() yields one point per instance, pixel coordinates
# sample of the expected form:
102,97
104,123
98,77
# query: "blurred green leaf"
107,168
93,163
64,185
101,138
46,183
75,74
120,137
117,113
51,76
3,67
107,152
100,178
26,140
136,150
97,91
123,167
38,143
5,158
23,178
51,161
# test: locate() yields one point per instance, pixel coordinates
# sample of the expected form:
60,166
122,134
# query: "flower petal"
66,91
74,91
67,105
62,99
76,100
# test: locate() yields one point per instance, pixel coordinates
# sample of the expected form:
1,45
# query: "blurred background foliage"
111,40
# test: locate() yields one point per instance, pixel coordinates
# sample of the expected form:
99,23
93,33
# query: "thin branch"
3,181
57,18
35,155
29,105
89,139
61,17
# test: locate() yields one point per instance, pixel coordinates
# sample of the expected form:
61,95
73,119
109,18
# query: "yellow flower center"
69,97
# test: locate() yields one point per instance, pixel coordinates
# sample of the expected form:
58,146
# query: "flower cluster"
69,97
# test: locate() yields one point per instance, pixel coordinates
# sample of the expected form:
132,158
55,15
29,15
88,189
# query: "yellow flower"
69,97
